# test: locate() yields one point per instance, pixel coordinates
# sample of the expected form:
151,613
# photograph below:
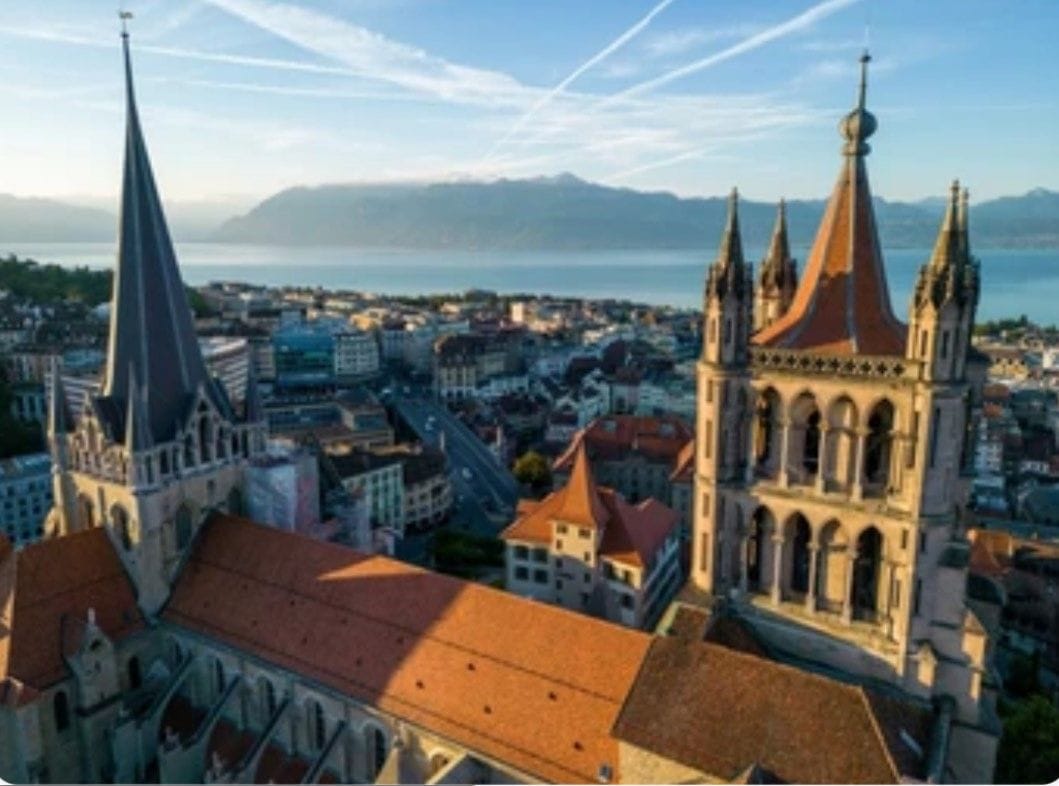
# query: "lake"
1014,282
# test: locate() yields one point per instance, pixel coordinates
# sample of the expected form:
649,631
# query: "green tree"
532,469
1029,746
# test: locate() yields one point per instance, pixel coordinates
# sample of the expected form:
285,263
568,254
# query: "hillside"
567,213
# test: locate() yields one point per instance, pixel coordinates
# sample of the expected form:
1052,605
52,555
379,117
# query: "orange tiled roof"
722,711
580,503
632,534
612,437
842,305
56,578
474,664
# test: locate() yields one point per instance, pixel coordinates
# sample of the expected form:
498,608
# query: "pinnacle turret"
728,274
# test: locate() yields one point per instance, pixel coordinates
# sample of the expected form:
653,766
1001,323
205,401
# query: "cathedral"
833,445
156,635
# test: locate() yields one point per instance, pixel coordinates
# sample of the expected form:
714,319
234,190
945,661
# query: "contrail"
792,25
593,61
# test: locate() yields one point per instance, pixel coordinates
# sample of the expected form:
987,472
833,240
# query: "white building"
283,489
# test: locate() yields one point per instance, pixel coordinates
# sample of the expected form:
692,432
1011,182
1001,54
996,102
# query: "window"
378,752
584,598
706,452
584,533
588,576
705,559
521,573
559,545
559,584
588,558
521,552
218,676
183,527
944,344
896,600
923,343
627,601
558,563
922,542
319,726
61,709
560,528
934,436
540,576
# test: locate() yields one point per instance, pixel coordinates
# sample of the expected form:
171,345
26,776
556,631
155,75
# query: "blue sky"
241,98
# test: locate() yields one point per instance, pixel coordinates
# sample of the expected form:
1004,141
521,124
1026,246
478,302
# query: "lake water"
1013,281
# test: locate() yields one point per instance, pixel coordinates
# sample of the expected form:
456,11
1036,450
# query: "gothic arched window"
119,517
811,448
877,444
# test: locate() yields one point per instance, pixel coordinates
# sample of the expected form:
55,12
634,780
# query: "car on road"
466,473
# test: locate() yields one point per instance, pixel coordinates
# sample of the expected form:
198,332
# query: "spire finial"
124,16
862,96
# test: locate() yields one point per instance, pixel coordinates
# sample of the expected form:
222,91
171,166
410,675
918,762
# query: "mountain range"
561,212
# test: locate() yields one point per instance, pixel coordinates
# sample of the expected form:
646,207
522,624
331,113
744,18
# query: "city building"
25,497
427,489
356,355
833,463
155,634
303,357
379,479
283,489
228,359
588,549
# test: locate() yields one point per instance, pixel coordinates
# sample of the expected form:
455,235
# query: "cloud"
677,42
795,24
370,55
592,62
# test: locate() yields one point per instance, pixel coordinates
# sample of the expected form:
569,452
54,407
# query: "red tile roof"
56,578
632,534
721,711
842,305
613,437
474,664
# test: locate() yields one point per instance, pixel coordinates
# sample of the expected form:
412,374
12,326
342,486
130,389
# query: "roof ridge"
877,728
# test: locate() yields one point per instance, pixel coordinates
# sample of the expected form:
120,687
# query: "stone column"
847,602
821,467
785,477
777,568
810,594
858,465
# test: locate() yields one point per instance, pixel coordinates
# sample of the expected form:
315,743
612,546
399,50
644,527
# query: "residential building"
588,549
25,497
228,359
427,489
304,357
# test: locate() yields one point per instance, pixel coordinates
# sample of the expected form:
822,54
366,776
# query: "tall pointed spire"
947,247
152,336
137,436
962,221
778,270
842,305
728,272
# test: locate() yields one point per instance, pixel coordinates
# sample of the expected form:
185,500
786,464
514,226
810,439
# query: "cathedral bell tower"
722,376
161,445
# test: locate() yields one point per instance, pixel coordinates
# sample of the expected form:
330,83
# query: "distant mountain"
29,220
564,212
560,212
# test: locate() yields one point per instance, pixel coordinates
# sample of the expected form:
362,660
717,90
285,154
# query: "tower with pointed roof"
778,278
161,445
828,475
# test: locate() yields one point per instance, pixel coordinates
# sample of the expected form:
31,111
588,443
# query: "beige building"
829,478
584,547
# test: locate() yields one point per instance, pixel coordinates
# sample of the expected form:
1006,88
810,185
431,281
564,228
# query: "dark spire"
152,336
728,272
58,411
137,436
778,271
947,247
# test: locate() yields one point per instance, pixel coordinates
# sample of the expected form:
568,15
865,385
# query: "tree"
533,469
1029,746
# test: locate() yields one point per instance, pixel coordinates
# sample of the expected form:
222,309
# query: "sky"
242,98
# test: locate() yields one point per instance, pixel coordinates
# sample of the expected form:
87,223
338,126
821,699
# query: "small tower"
941,317
63,490
778,278
722,392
